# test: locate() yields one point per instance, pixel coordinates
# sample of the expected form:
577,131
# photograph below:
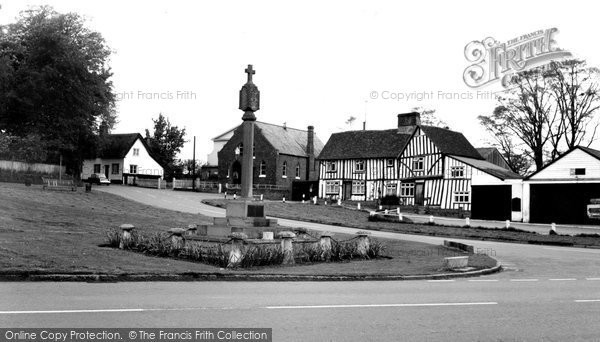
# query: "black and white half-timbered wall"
423,165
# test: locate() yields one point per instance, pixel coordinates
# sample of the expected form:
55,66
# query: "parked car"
98,178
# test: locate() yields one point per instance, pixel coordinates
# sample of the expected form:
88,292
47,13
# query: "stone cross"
250,72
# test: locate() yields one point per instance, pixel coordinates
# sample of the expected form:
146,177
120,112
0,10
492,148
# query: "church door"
236,172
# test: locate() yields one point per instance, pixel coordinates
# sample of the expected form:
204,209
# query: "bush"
160,244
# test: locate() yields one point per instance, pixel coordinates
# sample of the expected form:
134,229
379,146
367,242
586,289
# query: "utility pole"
194,166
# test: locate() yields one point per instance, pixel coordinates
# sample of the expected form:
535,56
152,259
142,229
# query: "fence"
151,183
31,167
188,184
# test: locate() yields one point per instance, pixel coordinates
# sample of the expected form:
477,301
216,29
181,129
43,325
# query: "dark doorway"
419,193
347,190
562,203
491,202
236,172
106,169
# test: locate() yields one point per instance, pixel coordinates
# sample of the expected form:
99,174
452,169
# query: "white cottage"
423,165
123,158
561,190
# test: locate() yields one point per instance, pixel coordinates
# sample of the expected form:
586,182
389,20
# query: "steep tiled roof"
450,142
116,146
487,167
288,140
365,144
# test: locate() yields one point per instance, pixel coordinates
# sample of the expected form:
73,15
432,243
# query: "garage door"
491,202
562,203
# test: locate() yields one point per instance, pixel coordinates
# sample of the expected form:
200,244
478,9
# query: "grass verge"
340,216
44,232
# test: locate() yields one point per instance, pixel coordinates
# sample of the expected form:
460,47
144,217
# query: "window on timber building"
332,187
418,164
359,166
358,187
461,197
407,189
457,171
390,189
331,167
389,162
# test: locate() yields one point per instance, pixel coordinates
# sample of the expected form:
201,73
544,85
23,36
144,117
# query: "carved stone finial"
249,97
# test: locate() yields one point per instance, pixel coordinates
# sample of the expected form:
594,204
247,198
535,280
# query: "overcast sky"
317,62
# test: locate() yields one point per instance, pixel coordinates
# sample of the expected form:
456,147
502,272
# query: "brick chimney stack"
310,150
408,121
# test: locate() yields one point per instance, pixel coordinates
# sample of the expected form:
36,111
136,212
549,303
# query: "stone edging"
233,277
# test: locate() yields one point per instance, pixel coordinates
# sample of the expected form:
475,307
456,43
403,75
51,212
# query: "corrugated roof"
490,168
288,140
450,142
365,144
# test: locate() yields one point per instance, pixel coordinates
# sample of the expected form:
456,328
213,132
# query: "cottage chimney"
408,121
310,151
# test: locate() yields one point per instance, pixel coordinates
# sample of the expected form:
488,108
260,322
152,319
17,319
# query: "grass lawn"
335,215
62,232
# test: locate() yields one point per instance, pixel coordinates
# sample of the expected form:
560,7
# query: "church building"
423,165
282,156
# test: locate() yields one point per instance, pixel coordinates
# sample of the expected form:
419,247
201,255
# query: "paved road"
548,293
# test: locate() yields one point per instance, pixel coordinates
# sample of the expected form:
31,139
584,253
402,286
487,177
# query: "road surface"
547,293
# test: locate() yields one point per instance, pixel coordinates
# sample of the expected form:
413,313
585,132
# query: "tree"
503,140
575,90
55,83
165,143
429,118
546,111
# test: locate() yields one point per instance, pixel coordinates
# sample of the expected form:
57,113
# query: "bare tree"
517,160
527,113
575,90
429,118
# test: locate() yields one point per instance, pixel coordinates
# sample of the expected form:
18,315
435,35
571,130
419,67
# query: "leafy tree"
165,143
55,83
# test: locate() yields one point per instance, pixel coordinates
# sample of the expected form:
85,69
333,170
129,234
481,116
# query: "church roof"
288,140
365,144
